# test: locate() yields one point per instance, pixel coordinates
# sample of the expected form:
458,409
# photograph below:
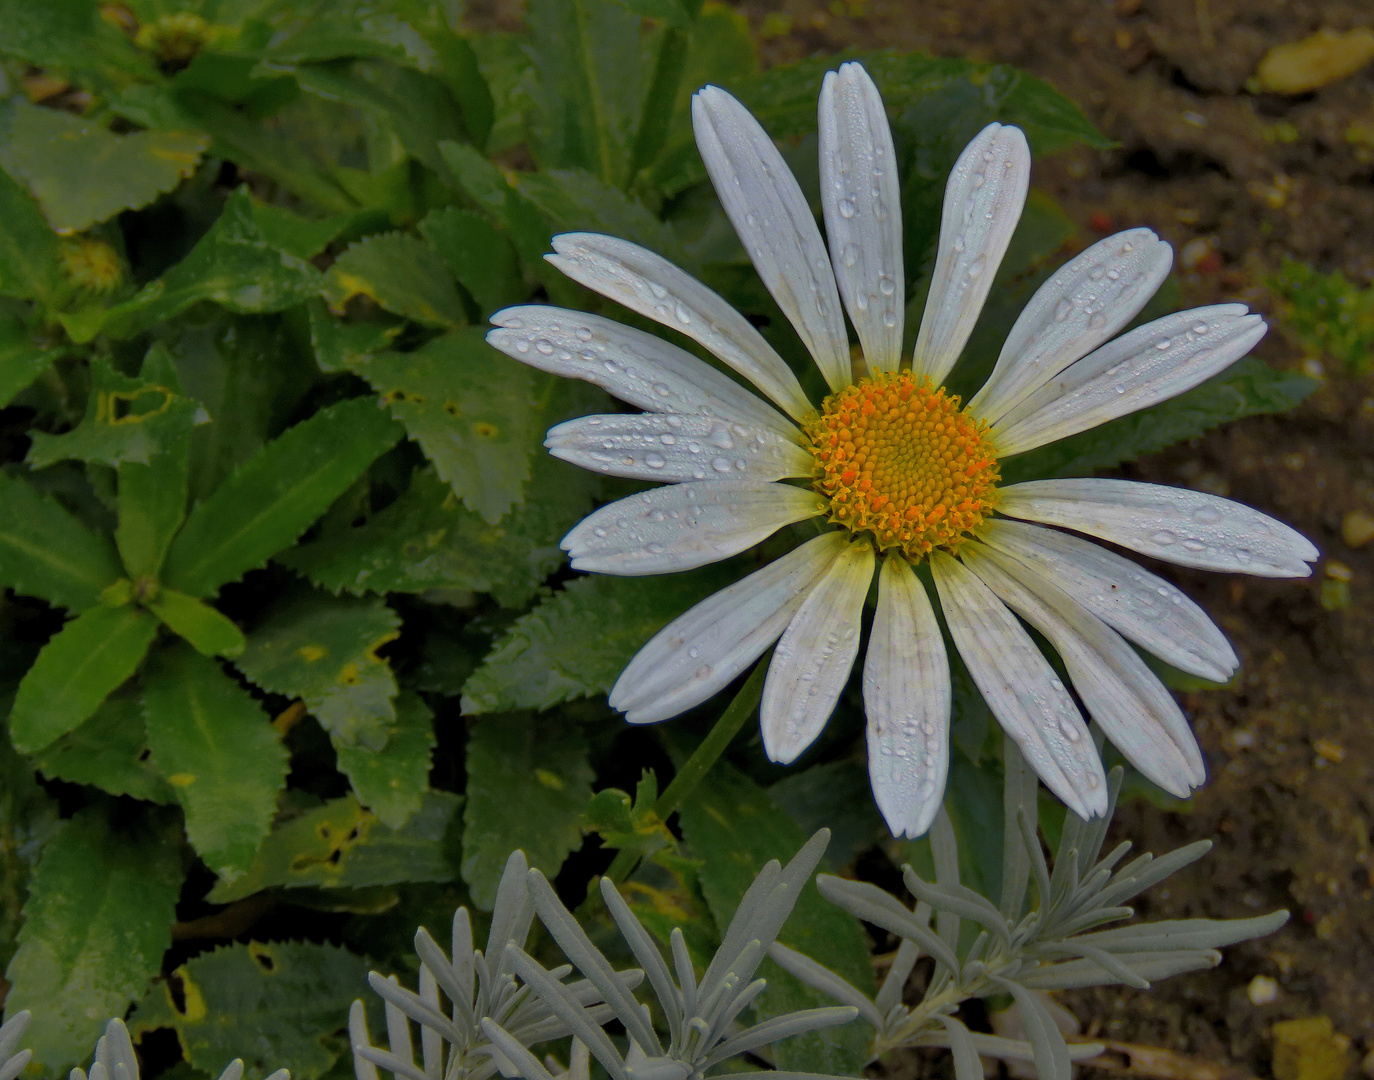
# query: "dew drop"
721,465
1070,731
658,290
1062,309
544,345
1208,515
654,549
1164,538
846,208
655,515
522,346
667,440
1193,544
661,389
889,318
1200,328
1097,273
975,268
683,315
599,532
654,461
1242,555
850,254
886,285
1162,344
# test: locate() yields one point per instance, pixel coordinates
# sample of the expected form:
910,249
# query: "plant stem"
695,768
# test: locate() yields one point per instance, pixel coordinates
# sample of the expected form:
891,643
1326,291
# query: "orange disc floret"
901,460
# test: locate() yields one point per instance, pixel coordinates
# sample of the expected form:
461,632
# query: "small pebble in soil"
1262,990
1357,528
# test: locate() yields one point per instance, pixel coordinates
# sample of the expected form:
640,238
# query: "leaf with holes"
528,785
323,649
108,751
216,747
471,409
46,552
392,781
270,1004
97,921
402,274
342,845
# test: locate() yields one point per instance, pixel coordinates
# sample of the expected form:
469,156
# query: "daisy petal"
863,211
1083,304
700,651
1143,606
1021,688
770,215
634,366
685,526
649,284
907,700
1150,364
812,662
672,448
1130,704
1189,528
983,201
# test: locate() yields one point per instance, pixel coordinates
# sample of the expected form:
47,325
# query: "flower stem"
695,768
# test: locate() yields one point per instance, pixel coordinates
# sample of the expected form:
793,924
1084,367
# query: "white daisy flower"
901,469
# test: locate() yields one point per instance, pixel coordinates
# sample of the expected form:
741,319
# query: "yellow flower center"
901,460
91,264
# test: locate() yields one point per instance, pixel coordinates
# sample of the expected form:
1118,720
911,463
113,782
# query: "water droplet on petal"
846,208
1164,538
544,345
850,255
654,461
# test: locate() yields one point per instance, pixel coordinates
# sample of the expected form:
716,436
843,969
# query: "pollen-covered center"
901,460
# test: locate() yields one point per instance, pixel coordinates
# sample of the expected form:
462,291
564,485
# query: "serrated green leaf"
232,265
401,273
834,795
1249,387
127,420
396,30
96,924
108,751
528,785
323,649
732,824
217,749
340,346
392,781
274,1004
277,494
577,642
152,506
480,255
28,248
46,552
342,845
70,37
574,200
471,409
83,174
300,237
205,629
79,667
22,359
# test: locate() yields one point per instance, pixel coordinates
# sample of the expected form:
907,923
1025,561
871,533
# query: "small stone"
1309,1049
1357,528
1300,67
1262,990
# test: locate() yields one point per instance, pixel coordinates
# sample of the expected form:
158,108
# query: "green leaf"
70,36
22,359
97,922
82,174
398,30
109,751
277,494
590,79
28,248
668,12
323,649
577,642
834,795
340,346
342,845
392,781
127,420
480,256
402,274
1249,387
152,506
472,410
528,785
732,824
232,265
1328,313
208,632
302,238
216,747
576,201
46,552
78,669
276,1004
28,818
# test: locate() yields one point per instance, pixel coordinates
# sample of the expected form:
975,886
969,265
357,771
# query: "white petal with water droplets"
862,201
983,201
813,659
1153,613
1126,699
700,651
1084,303
672,448
649,284
769,212
1180,526
1150,364
636,367
907,699
1021,688
685,525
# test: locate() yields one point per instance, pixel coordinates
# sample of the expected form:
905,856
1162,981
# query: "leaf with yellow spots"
218,750
271,1004
392,781
343,845
402,274
323,649
528,786
471,409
